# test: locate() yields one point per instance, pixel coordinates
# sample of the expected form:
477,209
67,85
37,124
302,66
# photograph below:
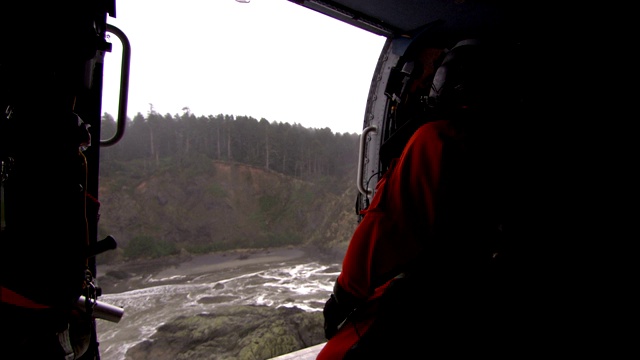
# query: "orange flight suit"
393,229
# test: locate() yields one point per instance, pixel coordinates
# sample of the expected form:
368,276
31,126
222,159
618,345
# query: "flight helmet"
460,82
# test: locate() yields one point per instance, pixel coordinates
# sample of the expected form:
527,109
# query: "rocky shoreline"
231,332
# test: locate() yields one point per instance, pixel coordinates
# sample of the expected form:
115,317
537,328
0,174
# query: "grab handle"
361,157
121,122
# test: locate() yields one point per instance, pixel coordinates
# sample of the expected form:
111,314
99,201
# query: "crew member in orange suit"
396,232
388,235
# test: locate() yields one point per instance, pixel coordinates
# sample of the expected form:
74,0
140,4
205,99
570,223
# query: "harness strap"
11,297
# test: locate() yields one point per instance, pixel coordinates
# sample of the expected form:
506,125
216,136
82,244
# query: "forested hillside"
202,184
292,150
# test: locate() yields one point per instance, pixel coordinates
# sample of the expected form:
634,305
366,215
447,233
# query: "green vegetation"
149,248
216,190
182,141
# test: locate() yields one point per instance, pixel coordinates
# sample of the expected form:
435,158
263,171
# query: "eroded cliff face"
221,206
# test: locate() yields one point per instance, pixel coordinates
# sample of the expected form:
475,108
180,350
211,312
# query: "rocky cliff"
216,206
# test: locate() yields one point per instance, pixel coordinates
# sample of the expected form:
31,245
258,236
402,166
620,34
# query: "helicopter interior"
51,77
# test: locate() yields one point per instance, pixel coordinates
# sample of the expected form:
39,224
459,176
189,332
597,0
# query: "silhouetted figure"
419,275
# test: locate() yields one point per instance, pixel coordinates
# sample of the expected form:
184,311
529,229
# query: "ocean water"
305,285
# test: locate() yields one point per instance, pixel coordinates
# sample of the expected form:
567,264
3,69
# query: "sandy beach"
203,264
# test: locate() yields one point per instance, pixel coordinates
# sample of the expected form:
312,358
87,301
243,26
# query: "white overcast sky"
268,59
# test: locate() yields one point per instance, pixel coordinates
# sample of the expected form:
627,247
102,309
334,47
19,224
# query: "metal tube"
102,310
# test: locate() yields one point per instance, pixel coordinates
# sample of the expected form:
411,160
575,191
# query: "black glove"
334,315
336,310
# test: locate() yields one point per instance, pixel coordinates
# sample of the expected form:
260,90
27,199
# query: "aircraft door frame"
370,168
